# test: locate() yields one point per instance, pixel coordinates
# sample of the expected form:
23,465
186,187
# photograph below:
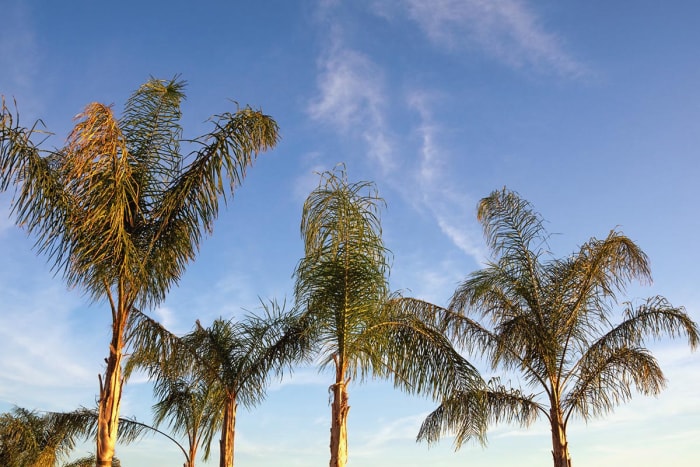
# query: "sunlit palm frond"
466,414
550,321
155,350
99,178
341,281
605,379
151,122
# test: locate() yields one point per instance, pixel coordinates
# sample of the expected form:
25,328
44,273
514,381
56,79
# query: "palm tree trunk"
192,454
560,447
228,432
339,419
111,392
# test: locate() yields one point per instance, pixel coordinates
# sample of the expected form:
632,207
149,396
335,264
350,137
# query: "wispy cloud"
508,30
351,98
403,428
450,205
38,351
306,375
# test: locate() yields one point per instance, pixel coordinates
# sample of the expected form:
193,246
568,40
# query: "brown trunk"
228,432
192,454
339,419
111,393
560,447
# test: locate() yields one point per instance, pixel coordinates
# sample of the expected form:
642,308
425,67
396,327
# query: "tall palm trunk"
560,447
339,418
192,454
111,390
228,432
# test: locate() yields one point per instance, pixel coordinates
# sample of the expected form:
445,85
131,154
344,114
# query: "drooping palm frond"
40,202
605,380
119,210
549,320
465,414
151,119
616,361
409,336
341,281
416,356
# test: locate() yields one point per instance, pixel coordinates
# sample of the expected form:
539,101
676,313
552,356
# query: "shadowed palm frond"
549,320
120,211
466,414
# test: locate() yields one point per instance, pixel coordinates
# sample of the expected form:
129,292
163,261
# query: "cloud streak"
507,30
351,99
450,206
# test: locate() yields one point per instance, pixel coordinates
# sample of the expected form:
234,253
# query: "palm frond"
342,278
466,414
151,121
605,378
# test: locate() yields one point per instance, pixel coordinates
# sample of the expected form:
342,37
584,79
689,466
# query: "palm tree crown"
202,377
352,321
120,210
550,320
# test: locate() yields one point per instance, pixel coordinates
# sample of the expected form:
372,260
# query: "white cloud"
450,206
351,99
39,351
507,30
165,316
404,428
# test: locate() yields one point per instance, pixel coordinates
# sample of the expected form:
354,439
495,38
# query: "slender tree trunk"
339,419
228,432
192,454
560,447
111,391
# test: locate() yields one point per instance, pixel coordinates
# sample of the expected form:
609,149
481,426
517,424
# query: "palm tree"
120,210
28,438
341,287
186,404
203,376
550,320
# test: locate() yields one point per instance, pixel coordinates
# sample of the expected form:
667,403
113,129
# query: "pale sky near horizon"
589,110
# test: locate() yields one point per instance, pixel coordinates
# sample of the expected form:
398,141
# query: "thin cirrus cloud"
449,205
507,30
351,99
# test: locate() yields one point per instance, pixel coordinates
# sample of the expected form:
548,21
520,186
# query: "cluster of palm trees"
120,211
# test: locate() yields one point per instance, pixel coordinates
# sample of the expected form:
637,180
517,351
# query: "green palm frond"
89,461
341,281
605,380
466,414
549,320
152,120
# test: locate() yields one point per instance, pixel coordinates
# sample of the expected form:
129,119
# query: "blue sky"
590,110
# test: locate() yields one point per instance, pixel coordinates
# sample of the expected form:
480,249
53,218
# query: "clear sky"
590,110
